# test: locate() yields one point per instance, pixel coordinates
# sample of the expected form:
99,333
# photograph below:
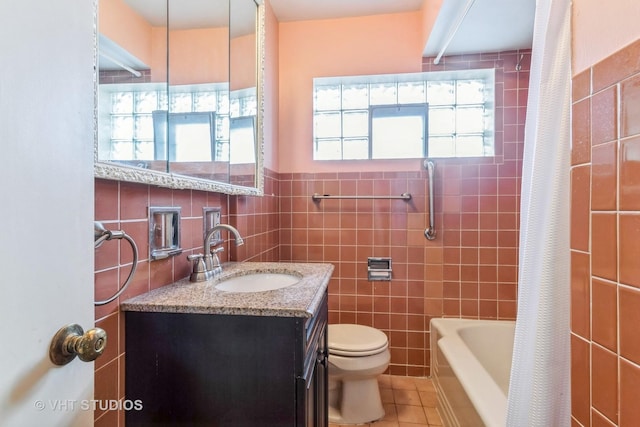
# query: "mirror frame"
112,171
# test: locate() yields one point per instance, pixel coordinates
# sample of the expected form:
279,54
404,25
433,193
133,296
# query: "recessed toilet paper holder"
379,269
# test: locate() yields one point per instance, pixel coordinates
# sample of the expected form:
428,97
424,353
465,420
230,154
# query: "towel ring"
101,234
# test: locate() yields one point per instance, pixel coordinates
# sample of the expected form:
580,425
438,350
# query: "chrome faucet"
208,265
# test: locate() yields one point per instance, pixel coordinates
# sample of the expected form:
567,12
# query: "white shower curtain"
539,390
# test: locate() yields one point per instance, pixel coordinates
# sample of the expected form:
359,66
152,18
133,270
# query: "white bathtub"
470,368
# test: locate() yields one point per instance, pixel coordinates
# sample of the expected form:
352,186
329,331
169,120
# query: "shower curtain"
539,390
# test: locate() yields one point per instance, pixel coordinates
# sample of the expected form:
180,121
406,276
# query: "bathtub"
470,368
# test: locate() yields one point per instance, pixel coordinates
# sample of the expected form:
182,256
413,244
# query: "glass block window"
434,114
241,126
131,133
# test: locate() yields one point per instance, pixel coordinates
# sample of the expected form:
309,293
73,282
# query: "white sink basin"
257,282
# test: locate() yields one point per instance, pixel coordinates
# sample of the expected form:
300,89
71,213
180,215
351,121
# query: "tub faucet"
208,265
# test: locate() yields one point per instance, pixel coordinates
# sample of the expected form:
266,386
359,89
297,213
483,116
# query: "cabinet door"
210,370
316,387
310,402
321,383
312,406
315,398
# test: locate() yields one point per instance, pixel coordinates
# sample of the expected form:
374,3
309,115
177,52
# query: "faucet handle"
212,261
216,265
198,263
200,271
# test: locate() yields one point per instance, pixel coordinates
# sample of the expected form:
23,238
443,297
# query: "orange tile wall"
605,242
481,199
470,270
346,232
123,206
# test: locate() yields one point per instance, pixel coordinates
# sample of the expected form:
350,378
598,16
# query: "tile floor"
408,402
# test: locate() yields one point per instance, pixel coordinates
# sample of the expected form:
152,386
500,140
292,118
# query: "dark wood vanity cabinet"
227,370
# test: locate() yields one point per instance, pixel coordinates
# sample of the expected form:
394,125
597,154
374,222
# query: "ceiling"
303,10
488,25
190,14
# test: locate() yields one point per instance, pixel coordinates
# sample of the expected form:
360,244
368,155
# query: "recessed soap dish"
164,232
211,218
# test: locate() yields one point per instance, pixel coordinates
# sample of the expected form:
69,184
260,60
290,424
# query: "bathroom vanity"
196,355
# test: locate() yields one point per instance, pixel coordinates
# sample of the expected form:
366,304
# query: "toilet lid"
355,340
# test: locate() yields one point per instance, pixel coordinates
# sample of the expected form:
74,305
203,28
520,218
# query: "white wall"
602,28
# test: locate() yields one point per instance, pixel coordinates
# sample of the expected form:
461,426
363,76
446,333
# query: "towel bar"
317,197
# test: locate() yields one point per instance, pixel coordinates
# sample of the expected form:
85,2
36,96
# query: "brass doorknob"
71,341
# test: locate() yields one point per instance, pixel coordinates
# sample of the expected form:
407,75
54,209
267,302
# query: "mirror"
179,92
243,97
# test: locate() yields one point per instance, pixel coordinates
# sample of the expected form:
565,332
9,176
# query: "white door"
46,207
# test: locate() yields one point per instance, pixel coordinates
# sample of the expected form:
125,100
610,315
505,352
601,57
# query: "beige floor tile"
407,397
411,414
429,399
384,381
390,412
407,401
405,383
386,394
384,424
433,416
424,384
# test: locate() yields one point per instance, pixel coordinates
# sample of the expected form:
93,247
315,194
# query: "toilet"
357,356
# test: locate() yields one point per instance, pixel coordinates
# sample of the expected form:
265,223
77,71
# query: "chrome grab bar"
430,233
316,197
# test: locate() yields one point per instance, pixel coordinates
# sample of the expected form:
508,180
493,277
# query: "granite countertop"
301,299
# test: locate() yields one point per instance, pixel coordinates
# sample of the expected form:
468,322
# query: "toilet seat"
355,340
